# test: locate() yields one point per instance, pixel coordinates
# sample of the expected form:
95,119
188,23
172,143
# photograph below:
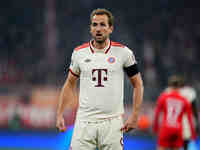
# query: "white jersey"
101,79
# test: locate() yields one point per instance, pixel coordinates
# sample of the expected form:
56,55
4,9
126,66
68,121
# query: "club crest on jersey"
111,60
87,60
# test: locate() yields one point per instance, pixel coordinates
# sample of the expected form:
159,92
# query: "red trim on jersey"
108,48
106,51
73,73
117,44
91,47
82,46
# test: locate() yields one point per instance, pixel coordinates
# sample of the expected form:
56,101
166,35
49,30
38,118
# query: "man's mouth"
98,34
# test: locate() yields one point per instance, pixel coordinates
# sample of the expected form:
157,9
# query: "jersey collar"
105,49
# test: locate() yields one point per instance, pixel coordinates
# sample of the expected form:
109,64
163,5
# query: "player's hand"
60,123
130,124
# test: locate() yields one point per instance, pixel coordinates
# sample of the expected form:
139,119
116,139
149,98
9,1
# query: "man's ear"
111,29
90,29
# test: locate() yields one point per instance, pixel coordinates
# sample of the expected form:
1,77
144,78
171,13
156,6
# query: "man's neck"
100,45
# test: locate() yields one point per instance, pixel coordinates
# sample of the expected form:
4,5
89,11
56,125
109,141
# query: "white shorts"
103,134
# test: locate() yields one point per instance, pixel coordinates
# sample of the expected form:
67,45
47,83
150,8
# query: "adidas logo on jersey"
87,60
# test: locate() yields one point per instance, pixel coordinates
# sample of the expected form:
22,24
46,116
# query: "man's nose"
98,28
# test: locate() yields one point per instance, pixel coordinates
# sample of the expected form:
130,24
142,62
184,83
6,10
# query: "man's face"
100,29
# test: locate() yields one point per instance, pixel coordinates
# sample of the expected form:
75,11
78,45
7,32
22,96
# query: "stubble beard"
100,41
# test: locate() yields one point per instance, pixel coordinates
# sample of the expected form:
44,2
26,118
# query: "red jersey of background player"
173,106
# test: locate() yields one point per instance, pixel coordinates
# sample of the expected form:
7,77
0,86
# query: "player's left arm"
138,90
131,69
158,109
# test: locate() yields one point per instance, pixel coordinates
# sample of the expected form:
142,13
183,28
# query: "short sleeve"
74,66
129,58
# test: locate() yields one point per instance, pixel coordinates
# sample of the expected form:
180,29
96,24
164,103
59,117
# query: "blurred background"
37,38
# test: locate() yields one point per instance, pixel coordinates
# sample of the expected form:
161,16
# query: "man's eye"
94,24
103,24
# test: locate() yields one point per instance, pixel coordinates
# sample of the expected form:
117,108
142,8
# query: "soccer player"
173,106
190,94
100,64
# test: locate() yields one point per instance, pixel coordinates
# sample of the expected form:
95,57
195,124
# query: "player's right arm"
68,99
68,96
158,109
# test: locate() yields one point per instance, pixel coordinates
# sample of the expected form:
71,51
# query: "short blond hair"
103,11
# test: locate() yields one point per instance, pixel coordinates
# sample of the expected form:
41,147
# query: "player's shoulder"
162,96
189,89
82,47
189,93
178,97
121,48
117,44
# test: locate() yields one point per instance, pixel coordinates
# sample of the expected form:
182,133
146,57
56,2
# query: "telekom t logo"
99,77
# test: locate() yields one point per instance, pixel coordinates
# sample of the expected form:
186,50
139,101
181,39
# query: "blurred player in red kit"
190,94
173,106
